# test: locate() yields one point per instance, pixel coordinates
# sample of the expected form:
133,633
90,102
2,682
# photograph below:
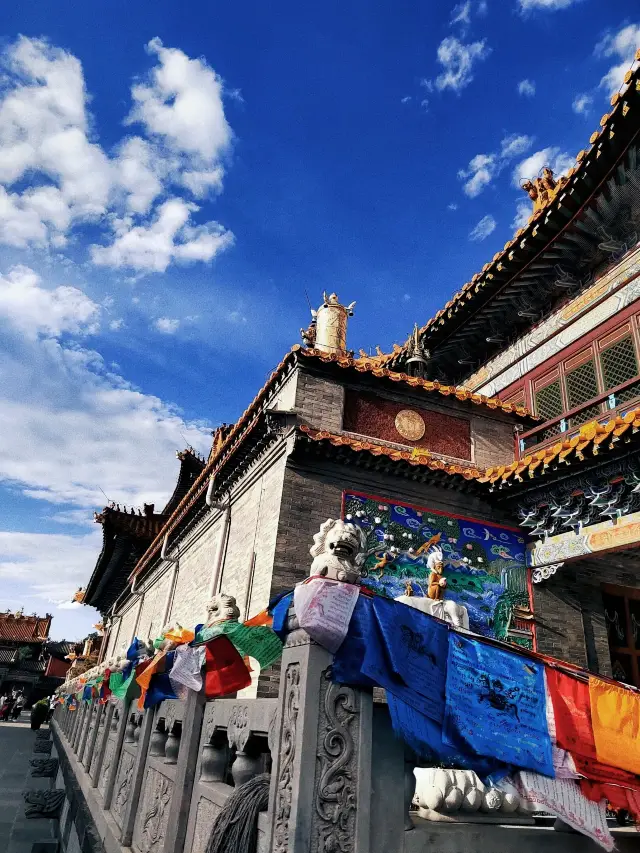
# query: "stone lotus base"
460,817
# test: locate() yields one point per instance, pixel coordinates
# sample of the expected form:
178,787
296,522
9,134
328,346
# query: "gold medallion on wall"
410,425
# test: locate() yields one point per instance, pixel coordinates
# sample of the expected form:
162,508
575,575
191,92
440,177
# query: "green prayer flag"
258,642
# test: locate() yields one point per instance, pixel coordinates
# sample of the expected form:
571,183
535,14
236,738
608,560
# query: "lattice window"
581,384
588,414
619,363
549,401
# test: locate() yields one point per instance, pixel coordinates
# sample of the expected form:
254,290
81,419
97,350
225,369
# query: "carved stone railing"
235,744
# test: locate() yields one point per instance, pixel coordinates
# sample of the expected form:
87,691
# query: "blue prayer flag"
496,705
347,663
424,737
279,612
160,686
406,654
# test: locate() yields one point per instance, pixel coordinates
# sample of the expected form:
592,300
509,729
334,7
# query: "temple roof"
582,228
191,464
17,627
127,533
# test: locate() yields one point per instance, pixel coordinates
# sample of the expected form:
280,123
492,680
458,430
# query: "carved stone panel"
284,790
336,770
122,787
238,727
153,812
206,813
106,762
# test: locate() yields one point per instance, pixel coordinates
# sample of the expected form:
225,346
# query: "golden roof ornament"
543,190
418,354
330,331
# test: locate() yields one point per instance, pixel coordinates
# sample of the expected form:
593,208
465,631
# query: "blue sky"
173,180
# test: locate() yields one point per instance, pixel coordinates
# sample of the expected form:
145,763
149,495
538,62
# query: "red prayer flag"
572,712
225,671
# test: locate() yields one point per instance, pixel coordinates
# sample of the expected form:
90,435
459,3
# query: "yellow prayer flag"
615,717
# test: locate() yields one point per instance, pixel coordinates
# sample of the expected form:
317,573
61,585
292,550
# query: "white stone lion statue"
222,608
449,611
339,551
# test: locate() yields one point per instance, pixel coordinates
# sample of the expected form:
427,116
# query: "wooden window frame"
632,650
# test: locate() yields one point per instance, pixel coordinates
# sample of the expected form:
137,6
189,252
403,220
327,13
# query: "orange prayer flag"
142,681
615,716
262,618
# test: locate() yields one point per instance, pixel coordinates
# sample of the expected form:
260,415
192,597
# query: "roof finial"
330,331
543,189
418,355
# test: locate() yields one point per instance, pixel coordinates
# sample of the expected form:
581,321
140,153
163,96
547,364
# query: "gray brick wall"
320,401
569,610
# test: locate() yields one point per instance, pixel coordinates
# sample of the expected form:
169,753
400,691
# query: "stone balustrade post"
185,772
321,783
93,736
108,711
113,769
142,737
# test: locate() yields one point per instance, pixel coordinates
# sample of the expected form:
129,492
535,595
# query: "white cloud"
478,174
452,206
170,237
72,431
458,60
486,226
514,145
461,14
88,424
483,8
483,168
405,100
558,161
523,215
116,325
182,102
527,88
622,46
582,104
167,325
547,5
54,176
36,311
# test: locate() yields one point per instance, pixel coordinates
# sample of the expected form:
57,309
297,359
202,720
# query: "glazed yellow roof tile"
371,365
591,439
418,456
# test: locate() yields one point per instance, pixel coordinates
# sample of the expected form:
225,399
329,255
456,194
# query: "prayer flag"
406,654
279,611
186,673
160,687
563,798
224,668
348,660
145,672
424,737
262,618
323,608
572,713
615,716
495,703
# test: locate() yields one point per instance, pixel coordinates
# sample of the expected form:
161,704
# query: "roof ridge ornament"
543,189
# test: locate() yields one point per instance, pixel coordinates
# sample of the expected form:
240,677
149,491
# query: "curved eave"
585,181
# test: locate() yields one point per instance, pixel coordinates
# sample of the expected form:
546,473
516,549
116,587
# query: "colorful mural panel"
484,563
